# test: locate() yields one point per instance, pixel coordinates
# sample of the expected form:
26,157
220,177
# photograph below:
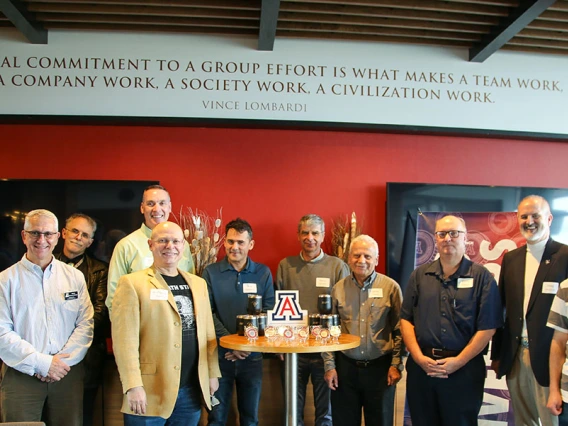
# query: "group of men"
54,319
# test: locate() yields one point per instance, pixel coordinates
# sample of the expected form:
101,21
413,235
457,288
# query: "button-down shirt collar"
368,281
464,270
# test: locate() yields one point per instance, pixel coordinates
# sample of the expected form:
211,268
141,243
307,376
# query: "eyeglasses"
165,242
36,235
453,234
74,232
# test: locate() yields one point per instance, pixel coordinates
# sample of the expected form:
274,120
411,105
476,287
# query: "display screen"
406,200
115,206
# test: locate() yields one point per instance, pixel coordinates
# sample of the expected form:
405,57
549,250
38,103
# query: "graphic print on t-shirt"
185,309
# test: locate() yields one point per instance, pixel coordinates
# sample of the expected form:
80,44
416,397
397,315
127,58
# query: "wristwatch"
399,367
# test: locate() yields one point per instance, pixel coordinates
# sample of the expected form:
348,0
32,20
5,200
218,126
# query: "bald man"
530,277
164,337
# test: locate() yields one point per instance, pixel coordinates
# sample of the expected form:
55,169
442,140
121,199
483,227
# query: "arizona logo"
287,310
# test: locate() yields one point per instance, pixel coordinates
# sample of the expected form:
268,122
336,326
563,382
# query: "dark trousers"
247,375
311,365
563,417
25,398
362,387
454,401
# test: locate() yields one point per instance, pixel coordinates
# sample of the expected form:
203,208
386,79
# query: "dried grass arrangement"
203,233
343,230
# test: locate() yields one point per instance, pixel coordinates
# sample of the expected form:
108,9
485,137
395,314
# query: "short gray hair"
310,220
539,198
89,220
40,213
364,239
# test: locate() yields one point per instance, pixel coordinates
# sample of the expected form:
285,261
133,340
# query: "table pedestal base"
291,388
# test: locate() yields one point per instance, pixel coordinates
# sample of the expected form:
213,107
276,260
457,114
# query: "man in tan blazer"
164,338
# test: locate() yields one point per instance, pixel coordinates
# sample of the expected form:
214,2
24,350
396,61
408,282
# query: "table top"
240,343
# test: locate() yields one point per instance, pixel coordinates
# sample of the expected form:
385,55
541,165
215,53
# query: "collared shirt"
229,290
558,320
371,312
133,254
447,313
311,278
43,313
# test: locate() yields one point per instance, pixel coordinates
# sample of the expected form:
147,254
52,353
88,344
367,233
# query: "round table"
290,351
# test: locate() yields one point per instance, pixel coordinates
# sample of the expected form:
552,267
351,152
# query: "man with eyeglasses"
450,311
164,338
230,282
132,254
529,280
46,327
78,236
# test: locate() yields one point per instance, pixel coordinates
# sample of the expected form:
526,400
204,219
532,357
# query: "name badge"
158,294
71,295
376,292
322,282
249,288
465,282
549,287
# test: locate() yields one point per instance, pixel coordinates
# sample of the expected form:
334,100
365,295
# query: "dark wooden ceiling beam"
524,14
550,15
544,35
371,37
398,32
211,4
17,14
429,5
268,23
148,20
539,24
385,12
151,28
557,44
381,22
143,10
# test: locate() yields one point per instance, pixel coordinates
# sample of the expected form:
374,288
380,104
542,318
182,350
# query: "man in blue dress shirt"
46,327
230,282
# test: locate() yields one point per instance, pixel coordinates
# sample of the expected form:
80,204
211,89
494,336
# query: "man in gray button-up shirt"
368,305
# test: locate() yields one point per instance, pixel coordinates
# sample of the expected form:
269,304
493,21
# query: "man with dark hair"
530,278
78,236
132,254
312,273
450,311
46,327
230,282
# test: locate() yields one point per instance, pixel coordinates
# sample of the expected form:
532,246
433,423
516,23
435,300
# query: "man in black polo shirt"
450,311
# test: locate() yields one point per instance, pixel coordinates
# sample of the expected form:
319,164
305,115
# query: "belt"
439,353
524,342
361,363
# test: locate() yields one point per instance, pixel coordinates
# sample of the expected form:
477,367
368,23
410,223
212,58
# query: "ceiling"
482,26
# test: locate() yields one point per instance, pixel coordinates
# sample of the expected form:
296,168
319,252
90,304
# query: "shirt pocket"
379,314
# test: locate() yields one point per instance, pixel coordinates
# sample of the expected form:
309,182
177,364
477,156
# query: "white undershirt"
534,256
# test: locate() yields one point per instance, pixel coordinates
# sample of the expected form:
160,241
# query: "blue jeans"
187,411
247,374
312,365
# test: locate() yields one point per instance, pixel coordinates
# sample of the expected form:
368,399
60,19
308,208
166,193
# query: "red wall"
273,177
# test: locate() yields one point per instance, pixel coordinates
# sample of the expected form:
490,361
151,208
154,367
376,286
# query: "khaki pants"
25,398
527,396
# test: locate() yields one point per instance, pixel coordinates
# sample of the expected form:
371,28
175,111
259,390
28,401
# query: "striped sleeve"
558,317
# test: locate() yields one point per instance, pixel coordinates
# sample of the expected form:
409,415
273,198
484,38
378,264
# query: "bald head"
166,244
